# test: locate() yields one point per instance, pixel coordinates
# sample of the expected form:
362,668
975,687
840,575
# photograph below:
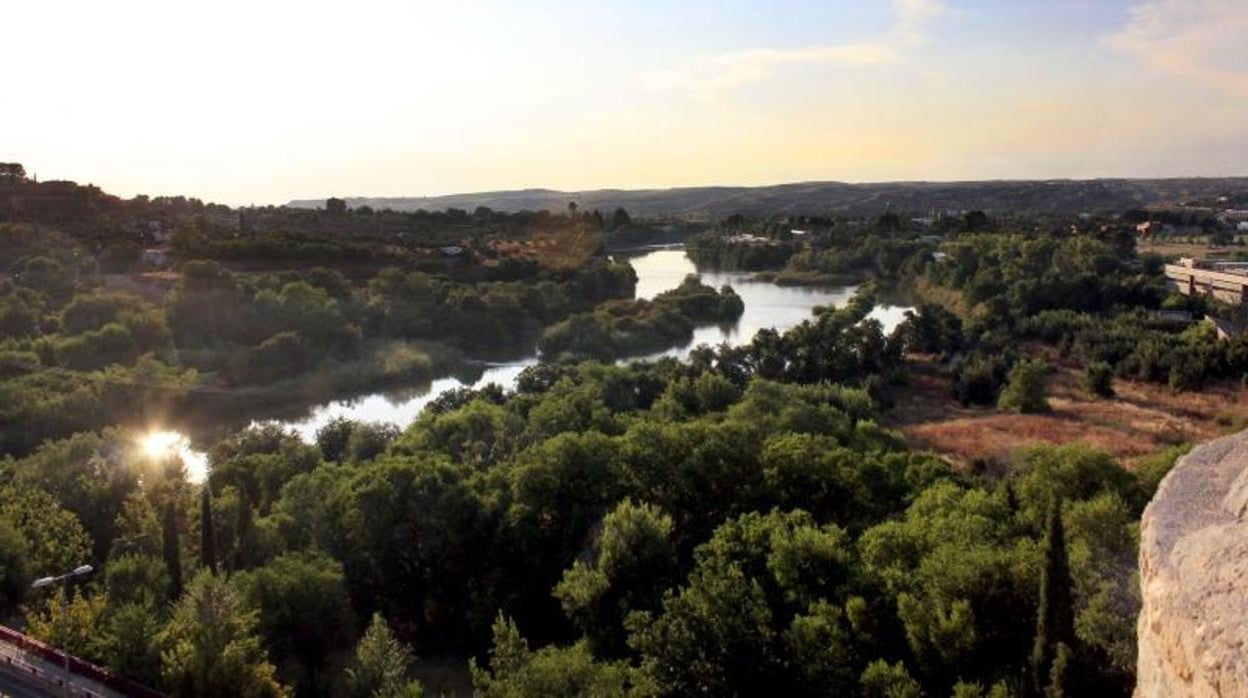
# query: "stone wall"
1193,628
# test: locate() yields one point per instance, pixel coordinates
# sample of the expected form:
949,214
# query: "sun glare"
161,444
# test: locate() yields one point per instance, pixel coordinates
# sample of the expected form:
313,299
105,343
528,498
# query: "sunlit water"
766,305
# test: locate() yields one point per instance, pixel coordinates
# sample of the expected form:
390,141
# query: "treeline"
1087,295
818,250
78,353
734,524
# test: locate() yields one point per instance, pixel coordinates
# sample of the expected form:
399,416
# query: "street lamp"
40,583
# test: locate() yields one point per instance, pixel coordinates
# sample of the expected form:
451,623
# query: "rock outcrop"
1193,628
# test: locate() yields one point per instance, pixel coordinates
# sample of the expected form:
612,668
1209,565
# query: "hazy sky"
258,101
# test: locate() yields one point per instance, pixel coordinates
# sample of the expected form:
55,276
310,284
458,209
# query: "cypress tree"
1055,620
207,536
1060,676
171,550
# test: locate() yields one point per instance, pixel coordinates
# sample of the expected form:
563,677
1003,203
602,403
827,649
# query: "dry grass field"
1142,418
1172,249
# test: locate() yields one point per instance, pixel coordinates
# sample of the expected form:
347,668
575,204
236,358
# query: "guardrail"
44,679
77,667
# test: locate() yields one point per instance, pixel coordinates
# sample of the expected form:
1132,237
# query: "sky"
262,101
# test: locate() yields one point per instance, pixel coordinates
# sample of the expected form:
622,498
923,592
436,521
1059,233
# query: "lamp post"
80,571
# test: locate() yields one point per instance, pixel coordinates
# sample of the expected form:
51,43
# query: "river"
766,305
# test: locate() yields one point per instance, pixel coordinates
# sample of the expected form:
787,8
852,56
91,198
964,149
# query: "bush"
1098,378
1027,389
111,344
978,379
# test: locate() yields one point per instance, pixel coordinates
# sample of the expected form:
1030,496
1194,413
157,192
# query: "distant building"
1226,281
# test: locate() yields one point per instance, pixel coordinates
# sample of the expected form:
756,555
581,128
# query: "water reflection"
766,305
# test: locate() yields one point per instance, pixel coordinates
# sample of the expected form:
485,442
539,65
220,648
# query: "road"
13,686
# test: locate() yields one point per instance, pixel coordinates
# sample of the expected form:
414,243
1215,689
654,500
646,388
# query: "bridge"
32,669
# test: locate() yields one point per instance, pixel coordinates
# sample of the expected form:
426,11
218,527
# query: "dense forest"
739,522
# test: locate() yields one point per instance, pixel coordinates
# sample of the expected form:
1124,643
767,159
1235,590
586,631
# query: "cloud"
1201,40
725,71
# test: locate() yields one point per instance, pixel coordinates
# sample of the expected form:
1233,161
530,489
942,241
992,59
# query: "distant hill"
915,198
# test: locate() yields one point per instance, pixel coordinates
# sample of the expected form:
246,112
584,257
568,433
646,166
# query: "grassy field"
1142,418
1169,249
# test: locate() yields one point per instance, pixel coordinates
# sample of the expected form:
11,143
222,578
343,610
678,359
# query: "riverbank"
382,365
786,277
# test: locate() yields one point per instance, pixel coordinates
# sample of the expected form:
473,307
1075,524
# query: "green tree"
304,613
68,622
14,574
381,665
211,648
332,438
1026,390
1055,621
56,540
1098,379
883,680
135,578
517,671
633,562
127,641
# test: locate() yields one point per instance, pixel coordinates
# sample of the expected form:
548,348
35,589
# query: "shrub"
1027,390
1098,378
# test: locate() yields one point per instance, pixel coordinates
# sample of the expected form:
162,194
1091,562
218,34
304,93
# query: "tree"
69,622
1026,390
207,535
633,562
335,206
1060,676
55,539
884,680
381,665
127,641
135,578
172,549
976,221
515,670
14,575
304,613
1055,621
211,647
1098,378
933,330
619,219
369,439
332,438
12,172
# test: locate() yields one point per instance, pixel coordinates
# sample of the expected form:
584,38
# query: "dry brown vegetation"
1142,418
1170,249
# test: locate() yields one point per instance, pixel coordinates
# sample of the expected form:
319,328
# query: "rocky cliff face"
1193,629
